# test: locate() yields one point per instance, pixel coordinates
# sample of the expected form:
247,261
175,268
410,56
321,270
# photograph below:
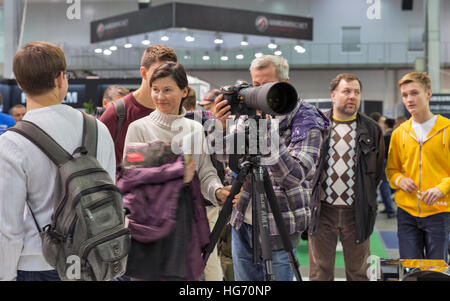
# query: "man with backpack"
29,178
139,103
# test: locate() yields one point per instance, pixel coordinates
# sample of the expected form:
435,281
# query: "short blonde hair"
416,77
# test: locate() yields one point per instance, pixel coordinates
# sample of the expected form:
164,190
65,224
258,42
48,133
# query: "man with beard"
344,196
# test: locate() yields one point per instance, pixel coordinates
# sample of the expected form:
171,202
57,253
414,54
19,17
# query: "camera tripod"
261,184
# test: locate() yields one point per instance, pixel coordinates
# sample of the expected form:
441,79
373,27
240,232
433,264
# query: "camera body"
231,93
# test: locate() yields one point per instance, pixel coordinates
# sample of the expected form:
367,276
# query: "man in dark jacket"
344,195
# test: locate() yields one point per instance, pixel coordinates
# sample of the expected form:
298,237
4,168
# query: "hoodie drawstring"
443,138
403,138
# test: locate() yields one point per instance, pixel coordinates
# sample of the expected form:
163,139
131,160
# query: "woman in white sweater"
169,85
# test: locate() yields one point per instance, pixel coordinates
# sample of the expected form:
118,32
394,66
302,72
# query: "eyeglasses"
67,74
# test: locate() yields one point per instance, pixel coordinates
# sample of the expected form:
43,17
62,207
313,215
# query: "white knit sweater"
181,132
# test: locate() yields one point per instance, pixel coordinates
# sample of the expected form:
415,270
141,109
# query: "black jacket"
369,165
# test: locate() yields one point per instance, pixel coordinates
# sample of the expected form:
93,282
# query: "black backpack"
87,238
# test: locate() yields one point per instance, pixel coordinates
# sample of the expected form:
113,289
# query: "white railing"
320,55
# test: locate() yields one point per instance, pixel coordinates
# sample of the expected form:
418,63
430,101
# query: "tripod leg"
225,213
262,223
287,245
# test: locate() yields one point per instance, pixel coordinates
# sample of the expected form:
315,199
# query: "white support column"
434,53
11,16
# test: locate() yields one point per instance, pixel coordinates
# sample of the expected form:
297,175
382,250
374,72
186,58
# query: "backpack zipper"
99,203
110,187
69,179
88,212
89,244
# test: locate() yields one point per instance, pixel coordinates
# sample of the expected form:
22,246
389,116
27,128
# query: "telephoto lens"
272,98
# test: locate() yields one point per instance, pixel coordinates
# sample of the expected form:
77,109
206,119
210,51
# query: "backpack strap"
42,140
90,134
119,106
46,144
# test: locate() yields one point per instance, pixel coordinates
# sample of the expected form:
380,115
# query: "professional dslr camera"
278,98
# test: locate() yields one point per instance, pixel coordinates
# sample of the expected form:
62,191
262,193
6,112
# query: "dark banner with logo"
242,21
142,21
192,16
440,104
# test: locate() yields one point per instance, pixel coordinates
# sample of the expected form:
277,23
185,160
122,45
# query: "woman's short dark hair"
174,70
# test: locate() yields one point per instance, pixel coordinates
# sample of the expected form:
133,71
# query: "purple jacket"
151,194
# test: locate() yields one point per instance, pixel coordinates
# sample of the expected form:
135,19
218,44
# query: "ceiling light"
272,44
128,45
224,58
206,57
189,38
107,52
278,52
187,56
145,41
218,39
240,56
258,54
98,50
244,41
299,48
113,48
164,38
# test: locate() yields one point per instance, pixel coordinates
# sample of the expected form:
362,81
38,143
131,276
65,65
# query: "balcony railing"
316,55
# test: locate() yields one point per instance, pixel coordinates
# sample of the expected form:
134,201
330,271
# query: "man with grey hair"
301,133
17,112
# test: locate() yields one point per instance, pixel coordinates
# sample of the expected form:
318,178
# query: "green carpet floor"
376,248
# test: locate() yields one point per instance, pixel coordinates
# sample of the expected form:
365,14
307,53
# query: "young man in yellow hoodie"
418,167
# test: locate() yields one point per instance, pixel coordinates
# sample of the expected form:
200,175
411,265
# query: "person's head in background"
375,116
207,102
18,111
190,102
153,57
389,124
113,93
399,120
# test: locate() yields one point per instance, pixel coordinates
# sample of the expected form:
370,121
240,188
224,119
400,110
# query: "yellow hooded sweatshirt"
427,164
